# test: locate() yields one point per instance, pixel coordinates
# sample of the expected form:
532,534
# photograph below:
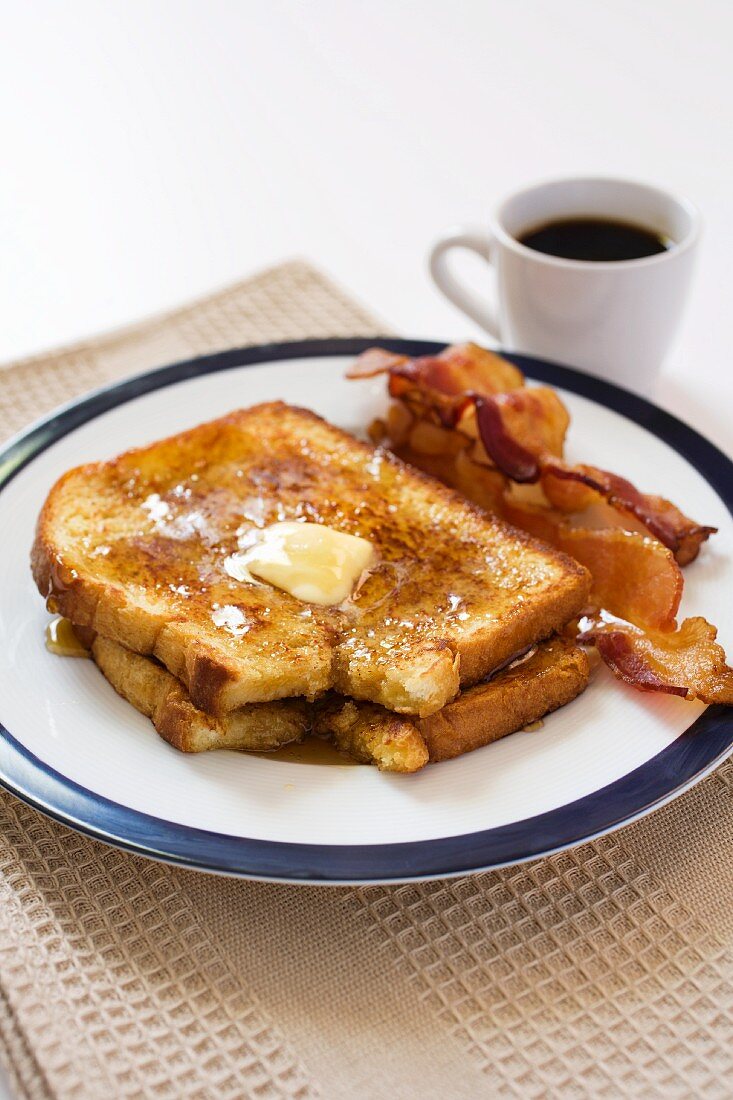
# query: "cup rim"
509,241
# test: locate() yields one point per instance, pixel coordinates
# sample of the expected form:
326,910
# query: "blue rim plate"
692,755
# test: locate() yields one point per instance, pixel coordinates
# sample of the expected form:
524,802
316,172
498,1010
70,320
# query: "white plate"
76,750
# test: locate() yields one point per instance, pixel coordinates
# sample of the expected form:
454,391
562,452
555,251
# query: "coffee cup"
612,317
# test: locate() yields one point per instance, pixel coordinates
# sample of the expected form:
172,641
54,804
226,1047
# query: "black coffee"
596,239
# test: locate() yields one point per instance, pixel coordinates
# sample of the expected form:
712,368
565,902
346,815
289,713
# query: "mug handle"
475,240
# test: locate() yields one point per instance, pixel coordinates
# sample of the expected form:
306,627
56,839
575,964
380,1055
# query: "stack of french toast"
266,577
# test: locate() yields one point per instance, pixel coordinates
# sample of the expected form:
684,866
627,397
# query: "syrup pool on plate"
61,639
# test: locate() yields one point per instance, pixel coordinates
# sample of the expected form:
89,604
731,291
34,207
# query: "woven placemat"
605,971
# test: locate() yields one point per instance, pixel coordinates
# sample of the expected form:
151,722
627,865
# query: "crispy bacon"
512,457
634,576
687,662
518,436
565,494
375,361
660,517
457,370
466,368
519,429
429,404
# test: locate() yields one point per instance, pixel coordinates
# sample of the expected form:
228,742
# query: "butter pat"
311,561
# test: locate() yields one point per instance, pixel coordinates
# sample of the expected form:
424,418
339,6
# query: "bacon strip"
468,368
687,662
430,404
519,452
511,457
634,576
375,361
457,370
660,517
519,429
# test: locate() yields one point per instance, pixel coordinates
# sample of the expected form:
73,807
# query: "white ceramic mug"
615,319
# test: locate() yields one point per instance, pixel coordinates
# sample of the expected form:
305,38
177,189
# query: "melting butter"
61,639
311,561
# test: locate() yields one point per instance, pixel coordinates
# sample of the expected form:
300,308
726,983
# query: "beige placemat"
601,972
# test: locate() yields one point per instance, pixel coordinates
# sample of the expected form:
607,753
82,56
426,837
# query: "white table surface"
153,151
159,150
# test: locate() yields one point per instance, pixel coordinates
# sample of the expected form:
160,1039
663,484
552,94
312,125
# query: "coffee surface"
594,239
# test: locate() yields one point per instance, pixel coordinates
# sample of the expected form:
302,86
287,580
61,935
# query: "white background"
153,151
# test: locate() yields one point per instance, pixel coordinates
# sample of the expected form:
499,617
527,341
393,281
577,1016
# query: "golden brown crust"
207,680
154,692
371,734
134,549
512,699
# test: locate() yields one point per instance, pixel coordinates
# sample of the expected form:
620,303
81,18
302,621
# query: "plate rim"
699,749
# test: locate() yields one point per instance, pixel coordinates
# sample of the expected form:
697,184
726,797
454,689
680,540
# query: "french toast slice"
136,549
152,690
553,675
516,697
